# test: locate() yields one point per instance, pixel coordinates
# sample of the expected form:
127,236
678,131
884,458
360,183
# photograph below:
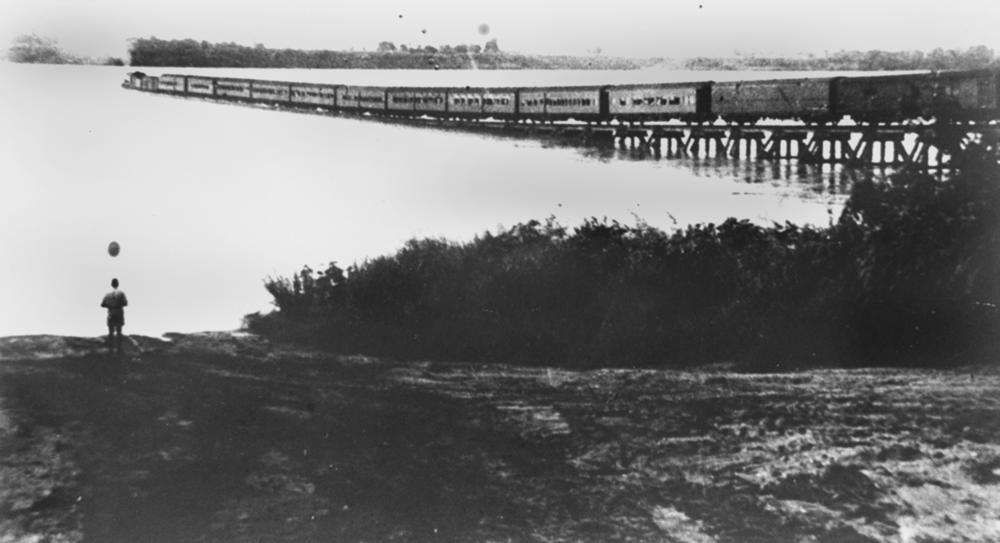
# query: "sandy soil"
221,437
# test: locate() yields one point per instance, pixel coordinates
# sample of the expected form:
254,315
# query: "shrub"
909,274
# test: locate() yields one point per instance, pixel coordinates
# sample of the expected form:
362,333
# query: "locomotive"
947,96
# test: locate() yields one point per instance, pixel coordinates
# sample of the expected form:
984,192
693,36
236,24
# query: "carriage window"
622,102
675,100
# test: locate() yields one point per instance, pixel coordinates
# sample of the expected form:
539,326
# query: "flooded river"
207,200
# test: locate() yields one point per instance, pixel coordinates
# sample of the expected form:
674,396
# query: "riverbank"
227,436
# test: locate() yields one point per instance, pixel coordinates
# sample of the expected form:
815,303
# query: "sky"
640,28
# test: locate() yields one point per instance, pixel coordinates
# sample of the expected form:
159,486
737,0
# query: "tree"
386,47
31,48
491,47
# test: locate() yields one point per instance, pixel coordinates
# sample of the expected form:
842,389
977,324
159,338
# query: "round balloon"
113,248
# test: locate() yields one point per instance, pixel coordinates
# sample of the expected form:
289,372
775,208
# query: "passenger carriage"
204,86
416,101
563,103
270,91
807,100
361,99
150,83
233,88
313,94
172,83
481,102
660,102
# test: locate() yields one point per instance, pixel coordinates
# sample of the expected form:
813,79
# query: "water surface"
207,200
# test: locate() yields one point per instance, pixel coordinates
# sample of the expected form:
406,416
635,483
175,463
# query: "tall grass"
910,274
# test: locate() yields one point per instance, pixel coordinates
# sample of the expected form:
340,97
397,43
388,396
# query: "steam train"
947,96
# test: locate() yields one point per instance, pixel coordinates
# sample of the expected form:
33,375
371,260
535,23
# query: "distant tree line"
909,274
33,49
188,52
491,47
938,59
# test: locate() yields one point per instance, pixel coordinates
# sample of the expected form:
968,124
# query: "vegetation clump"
909,274
188,52
33,49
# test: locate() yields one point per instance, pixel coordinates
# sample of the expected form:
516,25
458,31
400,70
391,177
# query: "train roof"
564,88
888,77
623,86
773,81
470,88
418,89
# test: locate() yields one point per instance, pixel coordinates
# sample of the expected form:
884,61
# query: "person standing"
115,301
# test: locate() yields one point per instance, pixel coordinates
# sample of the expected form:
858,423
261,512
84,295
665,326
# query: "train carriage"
966,95
150,83
500,102
361,99
417,100
204,86
884,98
531,103
320,95
465,102
270,91
563,103
476,102
684,101
747,101
579,103
172,83
232,88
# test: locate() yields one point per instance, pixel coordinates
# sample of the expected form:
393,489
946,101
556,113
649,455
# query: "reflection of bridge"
930,146
926,145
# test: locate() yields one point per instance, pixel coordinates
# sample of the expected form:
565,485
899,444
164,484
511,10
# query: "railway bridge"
925,145
876,120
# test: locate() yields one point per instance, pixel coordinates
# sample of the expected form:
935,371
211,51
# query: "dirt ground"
222,437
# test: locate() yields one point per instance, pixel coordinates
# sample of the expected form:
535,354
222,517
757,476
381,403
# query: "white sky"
672,28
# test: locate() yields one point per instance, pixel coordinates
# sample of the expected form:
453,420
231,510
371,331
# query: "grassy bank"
909,274
212,437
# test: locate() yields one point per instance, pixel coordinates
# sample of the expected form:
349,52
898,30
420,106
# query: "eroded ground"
226,438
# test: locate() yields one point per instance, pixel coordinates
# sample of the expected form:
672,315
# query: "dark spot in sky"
423,30
400,15
484,29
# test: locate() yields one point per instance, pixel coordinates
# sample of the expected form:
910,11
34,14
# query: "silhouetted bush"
909,274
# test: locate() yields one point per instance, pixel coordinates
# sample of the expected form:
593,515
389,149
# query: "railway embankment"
908,274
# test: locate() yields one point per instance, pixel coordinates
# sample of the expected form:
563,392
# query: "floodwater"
207,200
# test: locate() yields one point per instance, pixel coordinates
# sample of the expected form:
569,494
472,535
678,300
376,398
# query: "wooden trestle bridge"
928,145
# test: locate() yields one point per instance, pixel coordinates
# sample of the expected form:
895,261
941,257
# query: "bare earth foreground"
222,437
